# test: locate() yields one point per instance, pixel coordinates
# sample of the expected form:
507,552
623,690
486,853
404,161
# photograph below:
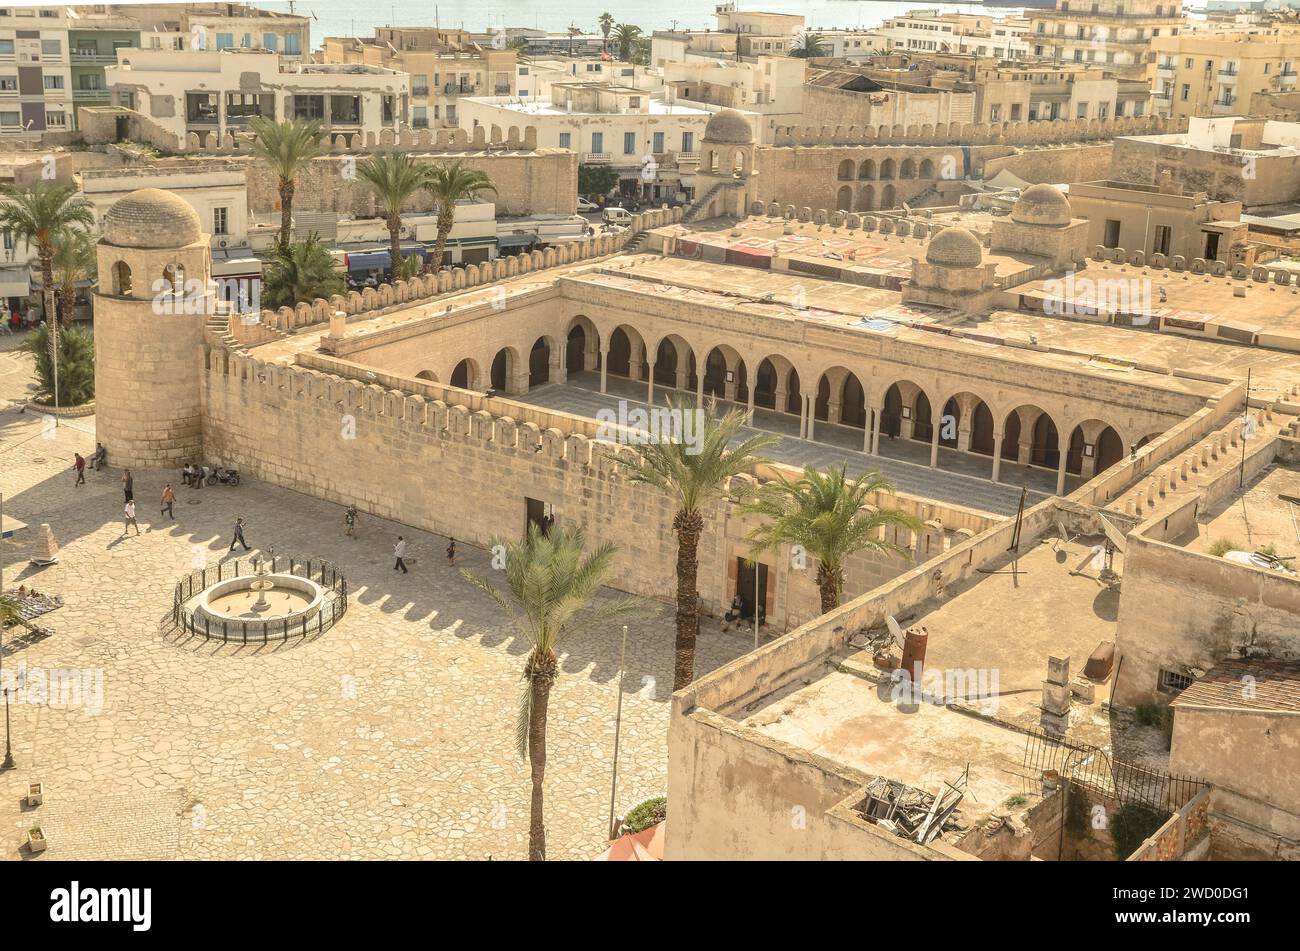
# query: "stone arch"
956,419
539,361
927,168
122,279
887,170
841,398
427,375
905,411
1094,446
888,197
846,170
627,353
725,375
1031,436
466,374
673,362
771,381
504,367
866,198
907,169
844,198
581,346
867,170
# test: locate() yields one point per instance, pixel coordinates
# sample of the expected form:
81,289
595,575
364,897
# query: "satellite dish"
894,630
1114,534
1095,558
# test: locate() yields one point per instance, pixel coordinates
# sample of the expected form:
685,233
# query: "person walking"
128,485
399,552
239,535
451,552
129,516
350,520
80,466
168,500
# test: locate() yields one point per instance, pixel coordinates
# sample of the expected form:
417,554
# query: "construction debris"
913,813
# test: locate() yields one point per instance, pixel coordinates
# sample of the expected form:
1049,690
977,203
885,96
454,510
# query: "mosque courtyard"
389,736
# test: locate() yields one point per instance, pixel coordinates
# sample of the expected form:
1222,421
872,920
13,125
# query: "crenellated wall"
972,133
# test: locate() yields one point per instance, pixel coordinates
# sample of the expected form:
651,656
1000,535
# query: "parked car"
585,204
616,216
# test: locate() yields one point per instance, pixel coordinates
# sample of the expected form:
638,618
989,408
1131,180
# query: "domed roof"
1042,205
152,218
728,126
954,247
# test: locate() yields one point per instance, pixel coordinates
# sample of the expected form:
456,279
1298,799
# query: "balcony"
596,158
501,90
1227,75
420,91
79,58
90,95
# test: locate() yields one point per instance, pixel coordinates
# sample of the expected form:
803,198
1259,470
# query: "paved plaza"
390,736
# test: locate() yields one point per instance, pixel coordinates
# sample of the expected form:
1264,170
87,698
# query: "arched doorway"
620,353
464,375
853,403
539,362
866,197
666,364
844,199
582,347
503,370
922,423
1045,448
981,430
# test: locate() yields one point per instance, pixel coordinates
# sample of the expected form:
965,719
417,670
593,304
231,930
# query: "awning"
10,288
516,240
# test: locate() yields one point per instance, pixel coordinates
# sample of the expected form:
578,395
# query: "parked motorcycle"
223,476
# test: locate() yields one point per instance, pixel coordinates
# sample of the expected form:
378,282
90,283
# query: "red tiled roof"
1247,684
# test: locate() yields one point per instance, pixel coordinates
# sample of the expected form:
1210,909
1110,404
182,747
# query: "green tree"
75,260
624,35
394,178
830,518
693,474
449,184
640,51
76,365
299,273
38,217
606,21
596,180
550,583
287,147
519,44
809,46
8,609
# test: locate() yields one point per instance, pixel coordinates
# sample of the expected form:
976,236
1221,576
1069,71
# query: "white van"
616,216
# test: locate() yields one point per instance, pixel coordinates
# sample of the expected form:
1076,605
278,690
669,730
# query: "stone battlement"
970,133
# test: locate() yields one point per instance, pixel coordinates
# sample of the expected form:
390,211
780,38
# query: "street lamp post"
618,723
9,753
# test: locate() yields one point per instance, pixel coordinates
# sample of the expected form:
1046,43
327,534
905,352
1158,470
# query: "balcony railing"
596,158
93,59
502,90
1227,74
419,90
89,95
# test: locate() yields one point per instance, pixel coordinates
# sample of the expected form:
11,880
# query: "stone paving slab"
391,736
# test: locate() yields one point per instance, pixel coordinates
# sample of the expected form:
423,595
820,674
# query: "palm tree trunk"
828,584
541,677
286,211
688,526
445,223
46,254
394,246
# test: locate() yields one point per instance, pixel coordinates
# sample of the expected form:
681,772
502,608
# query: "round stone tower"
726,172
154,296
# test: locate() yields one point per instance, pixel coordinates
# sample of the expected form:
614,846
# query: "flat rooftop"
1257,516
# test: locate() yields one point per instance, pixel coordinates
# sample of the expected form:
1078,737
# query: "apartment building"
445,66
933,31
1113,34
35,72
209,92
1160,219
1216,74
738,36
771,86
653,143
534,76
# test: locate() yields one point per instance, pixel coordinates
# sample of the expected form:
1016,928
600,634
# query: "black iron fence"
1091,767
252,630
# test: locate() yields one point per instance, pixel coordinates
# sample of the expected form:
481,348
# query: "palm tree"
75,260
449,184
519,44
76,381
8,609
300,273
549,586
624,34
606,21
693,475
39,216
830,518
641,48
809,46
394,178
287,147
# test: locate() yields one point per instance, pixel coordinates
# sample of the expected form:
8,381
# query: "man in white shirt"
399,552
129,516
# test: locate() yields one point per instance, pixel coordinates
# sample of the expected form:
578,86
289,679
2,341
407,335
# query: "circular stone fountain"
261,597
